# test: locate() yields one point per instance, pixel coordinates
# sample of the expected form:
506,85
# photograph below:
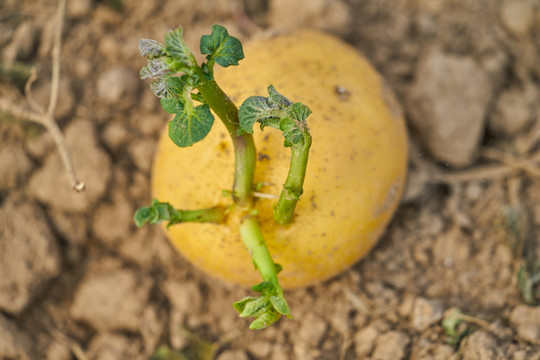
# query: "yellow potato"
355,175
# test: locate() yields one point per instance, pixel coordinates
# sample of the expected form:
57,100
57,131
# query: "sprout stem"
292,189
253,239
244,147
212,215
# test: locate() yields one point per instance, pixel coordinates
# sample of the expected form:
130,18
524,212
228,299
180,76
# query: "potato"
355,175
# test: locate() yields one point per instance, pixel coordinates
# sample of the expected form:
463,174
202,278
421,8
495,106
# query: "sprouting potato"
355,174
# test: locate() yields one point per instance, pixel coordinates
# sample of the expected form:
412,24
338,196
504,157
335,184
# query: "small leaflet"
191,125
177,49
224,49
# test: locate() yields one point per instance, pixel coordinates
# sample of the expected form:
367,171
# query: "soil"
79,281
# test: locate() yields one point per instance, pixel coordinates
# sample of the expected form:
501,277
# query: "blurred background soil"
453,277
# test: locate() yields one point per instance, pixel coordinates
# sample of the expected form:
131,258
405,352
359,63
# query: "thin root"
264,195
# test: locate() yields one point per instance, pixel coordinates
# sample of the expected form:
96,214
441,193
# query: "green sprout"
180,83
529,282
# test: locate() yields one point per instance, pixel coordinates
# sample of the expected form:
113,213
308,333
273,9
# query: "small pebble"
513,112
426,312
391,346
364,340
112,220
517,16
118,83
260,349
15,166
22,43
142,153
312,330
480,346
79,8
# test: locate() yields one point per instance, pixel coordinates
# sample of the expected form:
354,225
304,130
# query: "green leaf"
177,49
176,85
224,49
241,304
255,109
267,308
142,216
265,320
150,49
172,106
168,87
450,323
256,307
276,98
277,112
191,125
280,305
156,213
299,112
198,97
452,329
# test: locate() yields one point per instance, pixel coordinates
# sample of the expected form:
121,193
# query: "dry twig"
480,173
508,164
45,118
514,162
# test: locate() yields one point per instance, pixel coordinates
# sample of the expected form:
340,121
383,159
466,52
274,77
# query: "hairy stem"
292,189
253,239
244,146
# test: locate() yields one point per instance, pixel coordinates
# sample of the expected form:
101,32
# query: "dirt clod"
29,254
514,110
481,346
113,300
112,347
364,340
426,312
517,16
15,166
112,221
448,103
391,345
526,320
79,8
14,344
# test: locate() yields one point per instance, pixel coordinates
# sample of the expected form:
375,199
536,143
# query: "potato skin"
355,175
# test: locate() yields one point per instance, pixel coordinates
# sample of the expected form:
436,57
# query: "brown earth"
79,281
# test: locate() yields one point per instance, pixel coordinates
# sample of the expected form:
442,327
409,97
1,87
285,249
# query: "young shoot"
189,92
